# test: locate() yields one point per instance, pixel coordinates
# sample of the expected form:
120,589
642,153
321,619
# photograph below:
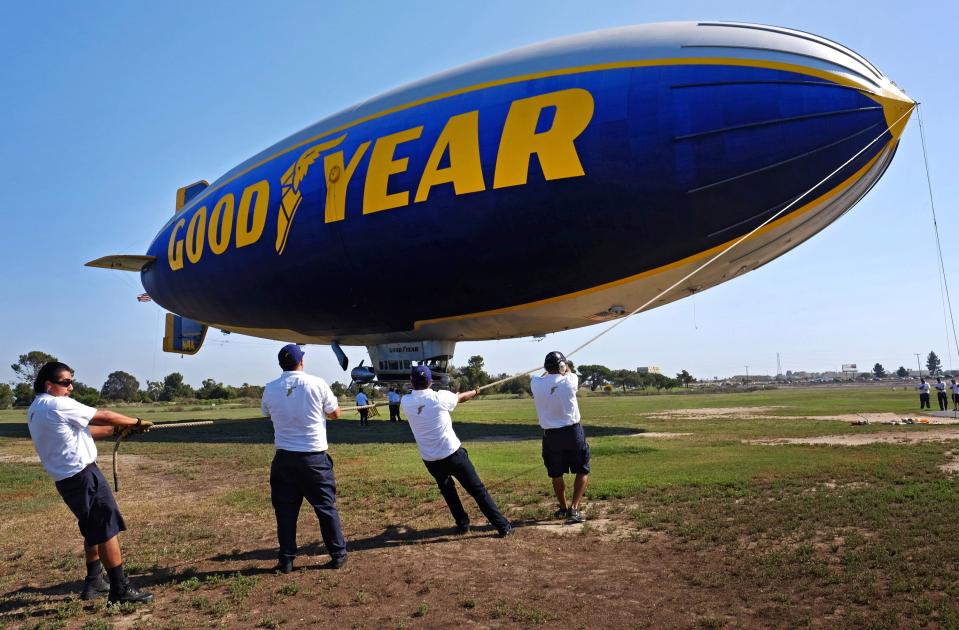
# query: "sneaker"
463,529
575,516
94,587
127,594
561,513
283,566
503,533
336,563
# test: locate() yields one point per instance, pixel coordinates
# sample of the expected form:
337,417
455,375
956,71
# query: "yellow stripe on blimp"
617,65
679,263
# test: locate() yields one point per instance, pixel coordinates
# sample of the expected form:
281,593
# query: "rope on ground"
735,243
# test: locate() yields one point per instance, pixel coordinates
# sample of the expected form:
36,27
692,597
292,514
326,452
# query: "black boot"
122,592
94,585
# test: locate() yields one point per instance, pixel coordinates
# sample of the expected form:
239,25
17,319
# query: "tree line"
119,387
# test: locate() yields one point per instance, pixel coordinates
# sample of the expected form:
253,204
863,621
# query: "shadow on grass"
260,431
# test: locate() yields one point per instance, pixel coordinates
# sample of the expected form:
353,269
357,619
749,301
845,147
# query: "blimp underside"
553,187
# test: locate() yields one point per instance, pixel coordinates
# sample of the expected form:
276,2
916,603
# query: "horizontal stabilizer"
123,262
183,335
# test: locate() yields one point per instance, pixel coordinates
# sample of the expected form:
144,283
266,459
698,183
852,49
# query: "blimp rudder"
632,153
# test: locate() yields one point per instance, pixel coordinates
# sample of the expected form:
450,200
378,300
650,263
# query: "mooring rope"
935,227
717,256
160,426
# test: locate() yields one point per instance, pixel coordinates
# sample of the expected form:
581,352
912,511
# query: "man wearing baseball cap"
564,444
428,413
299,405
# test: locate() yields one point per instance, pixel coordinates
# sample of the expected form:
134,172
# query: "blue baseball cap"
420,376
290,356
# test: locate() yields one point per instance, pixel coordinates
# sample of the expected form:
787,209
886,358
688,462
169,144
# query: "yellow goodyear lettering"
382,165
196,235
290,193
249,227
465,172
338,179
554,148
221,224
174,250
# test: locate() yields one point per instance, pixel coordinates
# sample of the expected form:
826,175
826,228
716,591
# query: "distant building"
650,369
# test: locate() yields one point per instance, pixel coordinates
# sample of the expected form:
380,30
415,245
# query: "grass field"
704,528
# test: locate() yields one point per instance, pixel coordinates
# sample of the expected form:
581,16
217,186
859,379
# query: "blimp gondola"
544,189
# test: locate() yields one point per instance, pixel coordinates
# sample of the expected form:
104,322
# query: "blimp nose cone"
897,107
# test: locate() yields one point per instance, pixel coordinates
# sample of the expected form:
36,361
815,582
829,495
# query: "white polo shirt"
955,388
58,427
428,414
923,388
941,387
297,403
555,399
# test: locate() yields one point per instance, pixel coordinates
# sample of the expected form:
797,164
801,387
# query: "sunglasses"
67,382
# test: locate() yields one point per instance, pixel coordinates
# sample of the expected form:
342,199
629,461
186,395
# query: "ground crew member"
362,401
299,405
394,400
428,414
955,395
63,431
923,388
564,443
941,395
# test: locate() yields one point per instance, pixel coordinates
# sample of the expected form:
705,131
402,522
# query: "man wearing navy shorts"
564,444
63,431
299,405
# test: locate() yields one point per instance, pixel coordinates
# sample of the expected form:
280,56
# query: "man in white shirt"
955,395
63,431
362,401
564,444
941,395
299,405
428,414
923,388
393,398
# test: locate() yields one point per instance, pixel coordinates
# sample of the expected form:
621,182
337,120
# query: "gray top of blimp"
668,40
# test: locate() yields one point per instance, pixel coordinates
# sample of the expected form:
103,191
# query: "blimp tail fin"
183,335
186,194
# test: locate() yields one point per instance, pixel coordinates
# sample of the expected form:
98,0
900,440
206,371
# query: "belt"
568,426
301,453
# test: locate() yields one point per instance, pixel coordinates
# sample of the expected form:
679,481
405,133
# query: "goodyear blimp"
540,190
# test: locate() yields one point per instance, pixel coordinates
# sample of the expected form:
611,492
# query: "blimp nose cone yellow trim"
897,108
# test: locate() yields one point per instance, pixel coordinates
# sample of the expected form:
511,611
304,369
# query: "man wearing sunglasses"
63,431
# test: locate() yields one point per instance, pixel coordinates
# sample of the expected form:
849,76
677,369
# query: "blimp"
552,187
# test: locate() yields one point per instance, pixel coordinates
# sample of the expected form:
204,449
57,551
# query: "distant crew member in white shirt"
63,431
564,444
428,414
941,395
394,400
361,401
299,405
923,388
955,395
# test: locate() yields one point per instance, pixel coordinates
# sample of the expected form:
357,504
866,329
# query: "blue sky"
109,107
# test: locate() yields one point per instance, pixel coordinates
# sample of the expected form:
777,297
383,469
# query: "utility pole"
779,367
918,364
747,375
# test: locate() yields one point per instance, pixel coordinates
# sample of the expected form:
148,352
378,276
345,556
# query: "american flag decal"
143,297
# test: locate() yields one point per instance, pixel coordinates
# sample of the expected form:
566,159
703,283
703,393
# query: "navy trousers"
293,477
459,466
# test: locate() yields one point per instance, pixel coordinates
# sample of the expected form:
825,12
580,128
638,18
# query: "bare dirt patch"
952,466
714,412
887,437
